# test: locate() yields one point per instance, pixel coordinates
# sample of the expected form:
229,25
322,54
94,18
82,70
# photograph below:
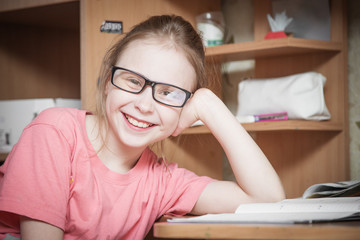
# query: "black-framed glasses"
133,82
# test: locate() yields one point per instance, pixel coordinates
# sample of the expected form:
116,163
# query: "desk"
325,231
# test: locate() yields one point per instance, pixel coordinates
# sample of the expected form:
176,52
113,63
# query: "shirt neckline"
104,172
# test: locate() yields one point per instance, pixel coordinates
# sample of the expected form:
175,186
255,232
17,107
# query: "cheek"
110,98
114,99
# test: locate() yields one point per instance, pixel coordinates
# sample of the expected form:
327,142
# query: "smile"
137,123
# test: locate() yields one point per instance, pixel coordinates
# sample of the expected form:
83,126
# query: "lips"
138,123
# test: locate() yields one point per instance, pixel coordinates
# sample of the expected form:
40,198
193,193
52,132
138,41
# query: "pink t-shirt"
54,175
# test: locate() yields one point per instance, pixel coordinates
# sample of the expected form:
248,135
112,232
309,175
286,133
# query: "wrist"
207,104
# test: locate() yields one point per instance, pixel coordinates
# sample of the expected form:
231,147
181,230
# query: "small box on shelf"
272,35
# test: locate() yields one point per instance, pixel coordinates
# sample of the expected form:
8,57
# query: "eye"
133,81
165,93
169,93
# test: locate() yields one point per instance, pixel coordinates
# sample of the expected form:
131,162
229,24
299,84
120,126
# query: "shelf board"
3,156
41,13
270,48
289,125
19,4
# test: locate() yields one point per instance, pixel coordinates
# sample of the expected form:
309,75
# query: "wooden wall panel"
39,63
303,158
39,58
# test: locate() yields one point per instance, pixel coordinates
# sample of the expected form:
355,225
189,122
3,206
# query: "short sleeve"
34,181
182,191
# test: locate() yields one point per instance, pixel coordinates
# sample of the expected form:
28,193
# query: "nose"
145,102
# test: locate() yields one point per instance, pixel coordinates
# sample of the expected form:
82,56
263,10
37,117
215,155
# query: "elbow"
279,197
276,193
276,196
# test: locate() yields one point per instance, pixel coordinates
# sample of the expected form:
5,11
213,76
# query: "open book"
333,189
296,210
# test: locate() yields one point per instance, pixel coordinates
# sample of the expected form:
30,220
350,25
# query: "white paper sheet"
288,211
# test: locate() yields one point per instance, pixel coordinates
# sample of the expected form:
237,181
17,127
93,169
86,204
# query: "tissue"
278,25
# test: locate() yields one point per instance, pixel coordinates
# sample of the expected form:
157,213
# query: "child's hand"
195,109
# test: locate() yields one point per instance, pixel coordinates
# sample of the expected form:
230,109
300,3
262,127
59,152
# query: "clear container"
211,26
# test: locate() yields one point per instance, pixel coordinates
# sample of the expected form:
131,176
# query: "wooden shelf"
20,4
50,14
289,46
3,156
289,125
270,48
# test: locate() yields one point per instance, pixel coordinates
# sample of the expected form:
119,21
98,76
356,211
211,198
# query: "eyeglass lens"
166,94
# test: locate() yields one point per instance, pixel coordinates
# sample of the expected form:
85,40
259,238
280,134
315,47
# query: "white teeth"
137,123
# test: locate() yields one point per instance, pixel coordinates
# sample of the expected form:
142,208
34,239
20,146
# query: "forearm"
33,229
253,171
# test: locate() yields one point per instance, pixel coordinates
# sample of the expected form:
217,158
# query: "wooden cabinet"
310,152
53,48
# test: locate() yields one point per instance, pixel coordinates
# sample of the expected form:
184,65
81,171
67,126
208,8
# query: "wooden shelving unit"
58,47
302,152
2,157
271,48
287,125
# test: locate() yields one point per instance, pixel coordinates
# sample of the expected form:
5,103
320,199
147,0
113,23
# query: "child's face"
137,120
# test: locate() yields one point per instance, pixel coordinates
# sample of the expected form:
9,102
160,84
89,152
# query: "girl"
78,175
